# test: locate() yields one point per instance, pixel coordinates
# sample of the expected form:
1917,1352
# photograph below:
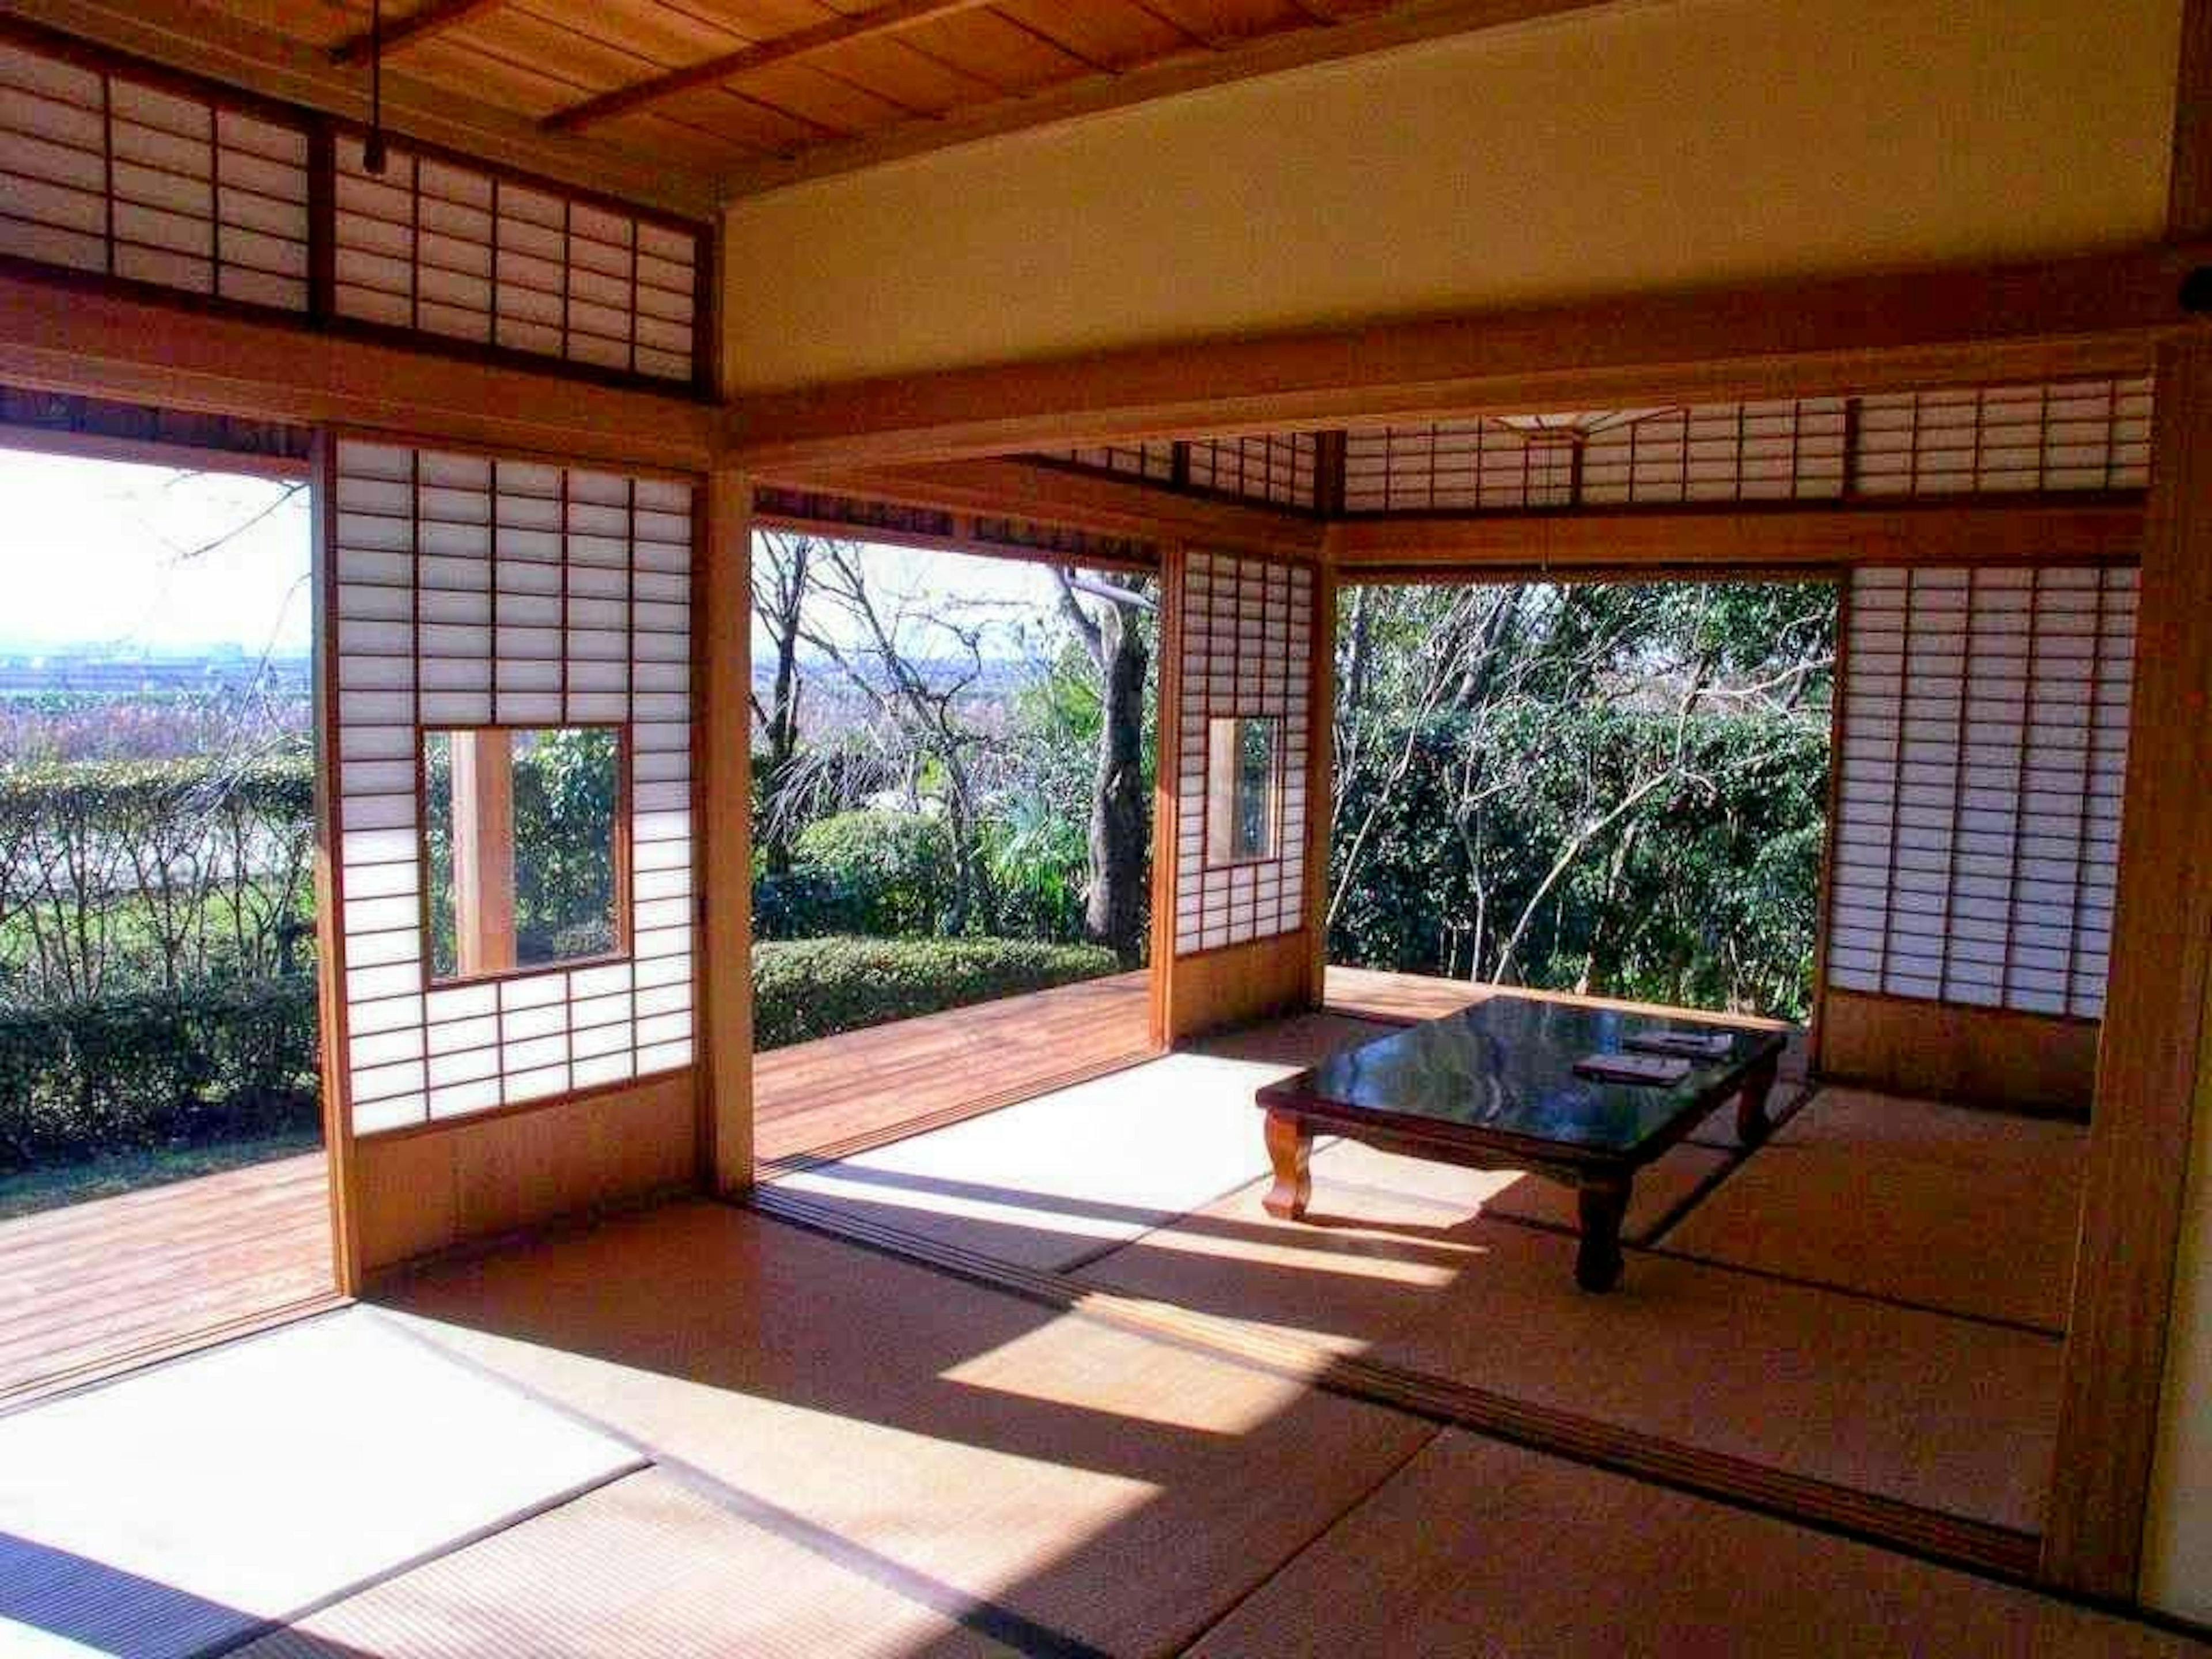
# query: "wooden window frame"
625,889
1222,808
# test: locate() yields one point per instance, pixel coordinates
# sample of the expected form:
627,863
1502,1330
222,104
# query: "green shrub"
879,872
103,1074
816,988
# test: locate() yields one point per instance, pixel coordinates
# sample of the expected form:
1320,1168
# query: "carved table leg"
1751,1124
1604,1205
1290,1148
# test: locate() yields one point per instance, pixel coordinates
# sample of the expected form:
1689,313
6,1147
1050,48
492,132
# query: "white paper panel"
1984,738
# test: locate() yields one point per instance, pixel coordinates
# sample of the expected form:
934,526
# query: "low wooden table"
1494,1086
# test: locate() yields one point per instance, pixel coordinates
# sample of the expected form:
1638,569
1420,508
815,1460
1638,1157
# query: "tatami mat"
1121,1491
1943,1207
646,1567
179,1510
1476,1548
1057,1179
1949,1414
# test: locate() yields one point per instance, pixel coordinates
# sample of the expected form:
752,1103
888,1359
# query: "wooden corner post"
723,752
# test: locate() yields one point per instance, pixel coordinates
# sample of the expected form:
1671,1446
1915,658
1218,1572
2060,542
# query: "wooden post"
723,750
2155,1011
2149,1064
484,851
1320,770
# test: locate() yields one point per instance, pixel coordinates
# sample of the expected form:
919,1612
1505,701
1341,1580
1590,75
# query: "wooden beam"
2098,315
891,17
425,22
1212,63
2147,1074
1760,537
62,335
1045,494
483,852
723,746
217,42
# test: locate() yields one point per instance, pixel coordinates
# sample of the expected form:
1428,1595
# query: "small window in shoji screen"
1244,791
522,845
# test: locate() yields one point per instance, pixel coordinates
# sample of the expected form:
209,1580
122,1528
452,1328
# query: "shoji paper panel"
2083,434
102,172
1280,468
1984,744
446,249
469,591
1153,461
1247,646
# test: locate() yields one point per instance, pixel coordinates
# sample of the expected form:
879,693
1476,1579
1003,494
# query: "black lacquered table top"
1505,1068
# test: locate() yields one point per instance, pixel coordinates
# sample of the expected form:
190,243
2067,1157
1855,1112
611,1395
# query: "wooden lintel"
59,336
2098,315
1044,494
430,19
891,17
1758,537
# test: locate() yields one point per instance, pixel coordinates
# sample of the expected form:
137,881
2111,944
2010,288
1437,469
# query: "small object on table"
1654,1070
1501,1085
1699,1045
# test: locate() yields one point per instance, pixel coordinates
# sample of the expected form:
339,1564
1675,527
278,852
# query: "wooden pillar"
484,851
2150,1056
1321,772
1167,784
723,750
2155,1012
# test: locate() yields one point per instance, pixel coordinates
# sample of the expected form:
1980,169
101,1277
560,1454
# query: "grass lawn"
33,1190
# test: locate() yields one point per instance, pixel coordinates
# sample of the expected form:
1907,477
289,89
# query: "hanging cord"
372,156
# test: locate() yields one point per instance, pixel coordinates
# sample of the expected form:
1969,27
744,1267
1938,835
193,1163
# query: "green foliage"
146,1069
876,871
816,988
1617,789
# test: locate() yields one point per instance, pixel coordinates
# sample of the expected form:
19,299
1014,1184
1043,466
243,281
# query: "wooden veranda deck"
838,1094
89,1287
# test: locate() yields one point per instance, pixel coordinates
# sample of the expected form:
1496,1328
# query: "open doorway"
953,770
162,1174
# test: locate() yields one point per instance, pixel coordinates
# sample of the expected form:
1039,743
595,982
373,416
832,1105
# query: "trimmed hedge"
816,988
219,1058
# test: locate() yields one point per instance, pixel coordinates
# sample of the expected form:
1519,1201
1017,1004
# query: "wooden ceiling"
750,94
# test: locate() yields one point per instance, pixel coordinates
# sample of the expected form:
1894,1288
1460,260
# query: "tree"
781,562
1112,634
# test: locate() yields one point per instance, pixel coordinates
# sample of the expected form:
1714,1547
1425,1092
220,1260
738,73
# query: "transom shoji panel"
2082,434
1984,745
468,591
103,171
432,245
1153,460
1280,468
1247,646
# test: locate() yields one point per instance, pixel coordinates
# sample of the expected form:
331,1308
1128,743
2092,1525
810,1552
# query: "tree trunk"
1119,823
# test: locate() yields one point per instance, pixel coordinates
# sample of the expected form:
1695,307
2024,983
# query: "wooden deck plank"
108,1280
838,1090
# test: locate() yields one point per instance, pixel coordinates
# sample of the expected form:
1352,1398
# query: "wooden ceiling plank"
1241,58
432,18
1117,34
890,18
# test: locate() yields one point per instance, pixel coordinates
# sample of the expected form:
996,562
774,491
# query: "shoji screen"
435,245
1247,644
467,591
1985,740
104,171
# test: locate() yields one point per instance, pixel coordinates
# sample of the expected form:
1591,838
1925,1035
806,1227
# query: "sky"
104,553
112,554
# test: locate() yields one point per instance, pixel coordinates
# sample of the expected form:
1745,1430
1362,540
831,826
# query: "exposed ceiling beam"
1210,63
2099,314
890,18
432,18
